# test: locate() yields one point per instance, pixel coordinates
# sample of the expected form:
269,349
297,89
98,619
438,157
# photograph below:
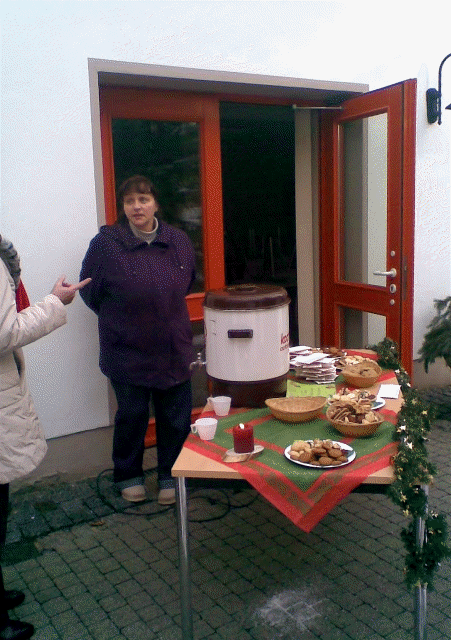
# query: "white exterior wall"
48,197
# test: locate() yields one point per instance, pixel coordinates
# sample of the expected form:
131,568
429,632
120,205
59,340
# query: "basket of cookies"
353,418
296,409
363,374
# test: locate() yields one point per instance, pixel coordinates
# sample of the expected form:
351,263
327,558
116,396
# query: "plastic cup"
221,405
205,428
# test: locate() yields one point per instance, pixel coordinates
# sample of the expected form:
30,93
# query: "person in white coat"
22,442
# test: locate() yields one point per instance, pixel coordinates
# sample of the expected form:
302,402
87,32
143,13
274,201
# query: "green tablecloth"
303,494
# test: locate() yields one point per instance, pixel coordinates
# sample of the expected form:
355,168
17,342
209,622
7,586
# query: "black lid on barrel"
246,296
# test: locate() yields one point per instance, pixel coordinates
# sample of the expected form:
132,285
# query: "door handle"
389,274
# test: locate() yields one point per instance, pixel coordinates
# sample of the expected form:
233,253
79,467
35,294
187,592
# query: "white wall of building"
48,197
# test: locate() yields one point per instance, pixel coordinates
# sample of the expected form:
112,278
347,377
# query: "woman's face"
140,209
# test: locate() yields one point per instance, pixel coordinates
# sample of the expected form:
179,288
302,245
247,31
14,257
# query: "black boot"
13,598
16,630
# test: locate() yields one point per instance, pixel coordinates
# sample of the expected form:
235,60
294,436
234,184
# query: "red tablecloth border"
299,506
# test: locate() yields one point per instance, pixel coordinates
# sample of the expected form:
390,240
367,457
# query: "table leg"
184,573
421,590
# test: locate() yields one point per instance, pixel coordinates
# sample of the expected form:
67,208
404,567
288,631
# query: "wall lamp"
434,98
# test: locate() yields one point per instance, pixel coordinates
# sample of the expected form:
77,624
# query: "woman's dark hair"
134,184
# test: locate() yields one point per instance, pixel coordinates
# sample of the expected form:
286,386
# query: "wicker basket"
353,429
296,409
353,379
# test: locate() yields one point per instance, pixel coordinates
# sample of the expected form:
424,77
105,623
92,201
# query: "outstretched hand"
65,291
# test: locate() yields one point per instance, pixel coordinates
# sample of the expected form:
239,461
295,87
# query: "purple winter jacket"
138,293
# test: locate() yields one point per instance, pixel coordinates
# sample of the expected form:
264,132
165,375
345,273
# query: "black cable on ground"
127,507
136,509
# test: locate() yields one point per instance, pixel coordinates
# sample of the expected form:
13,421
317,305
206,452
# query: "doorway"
258,183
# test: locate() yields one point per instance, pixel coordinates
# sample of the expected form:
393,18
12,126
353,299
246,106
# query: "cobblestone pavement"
93,568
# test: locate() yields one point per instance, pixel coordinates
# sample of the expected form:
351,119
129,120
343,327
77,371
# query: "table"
192,464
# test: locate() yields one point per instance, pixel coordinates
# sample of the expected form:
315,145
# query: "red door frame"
399,101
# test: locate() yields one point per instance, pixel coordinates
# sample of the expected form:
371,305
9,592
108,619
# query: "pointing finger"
82,284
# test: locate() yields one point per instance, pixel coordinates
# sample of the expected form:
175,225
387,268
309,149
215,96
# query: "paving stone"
150,580
101,589
53,565
96,554
56,606
134,564
113,544
150,613
124,616
84,602
46,633
165,595
90,577
129,588
64,619
117,576
104,630
83,566
92,616
35,615
139,630
45,595
138,599
358,630
171,633
74,590
445,627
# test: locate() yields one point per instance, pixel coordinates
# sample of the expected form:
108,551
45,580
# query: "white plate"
351,457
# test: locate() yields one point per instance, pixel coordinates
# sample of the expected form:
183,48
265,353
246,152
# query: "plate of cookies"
320,454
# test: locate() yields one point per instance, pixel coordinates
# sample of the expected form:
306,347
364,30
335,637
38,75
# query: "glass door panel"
168,154
361,328
364,199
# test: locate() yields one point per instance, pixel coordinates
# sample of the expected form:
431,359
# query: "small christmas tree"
437,340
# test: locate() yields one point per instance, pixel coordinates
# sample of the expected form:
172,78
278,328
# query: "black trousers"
4,503
172,409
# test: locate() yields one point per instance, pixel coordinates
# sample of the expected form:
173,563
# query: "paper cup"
205,428
220,404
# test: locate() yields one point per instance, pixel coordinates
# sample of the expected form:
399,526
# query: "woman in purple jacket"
142,268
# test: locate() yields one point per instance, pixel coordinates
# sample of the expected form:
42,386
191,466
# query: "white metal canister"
247,342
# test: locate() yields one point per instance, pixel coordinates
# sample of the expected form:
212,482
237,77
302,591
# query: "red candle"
243,438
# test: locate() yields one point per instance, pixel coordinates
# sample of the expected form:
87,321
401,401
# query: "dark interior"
258,169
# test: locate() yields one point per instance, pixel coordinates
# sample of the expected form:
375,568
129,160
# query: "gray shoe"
134,494
166,496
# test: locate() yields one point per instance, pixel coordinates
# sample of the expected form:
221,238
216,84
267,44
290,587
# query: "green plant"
437,340
413,471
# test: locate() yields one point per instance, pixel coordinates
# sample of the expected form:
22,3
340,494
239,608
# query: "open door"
367,219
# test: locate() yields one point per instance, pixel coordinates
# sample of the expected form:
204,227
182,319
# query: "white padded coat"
22,442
